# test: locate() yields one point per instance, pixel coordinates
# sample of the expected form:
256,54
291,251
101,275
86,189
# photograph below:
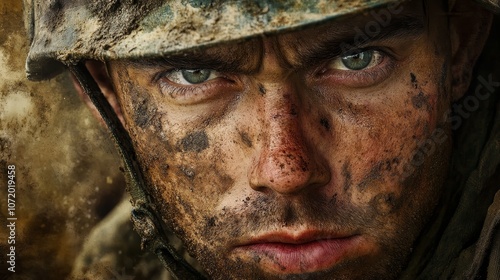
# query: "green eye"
196,76
188,77
358,61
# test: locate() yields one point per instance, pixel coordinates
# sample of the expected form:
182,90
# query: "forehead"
304,46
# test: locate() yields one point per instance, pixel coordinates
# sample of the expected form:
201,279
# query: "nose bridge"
282,97
274,66
281,103
282,116
285,163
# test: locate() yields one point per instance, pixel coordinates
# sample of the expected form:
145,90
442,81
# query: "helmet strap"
146,223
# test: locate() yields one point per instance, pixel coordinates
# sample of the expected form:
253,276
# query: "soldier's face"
284,158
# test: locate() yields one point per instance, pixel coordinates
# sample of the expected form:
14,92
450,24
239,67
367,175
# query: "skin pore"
282,157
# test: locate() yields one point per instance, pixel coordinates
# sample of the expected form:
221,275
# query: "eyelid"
190,94
358,78
213,75
160,74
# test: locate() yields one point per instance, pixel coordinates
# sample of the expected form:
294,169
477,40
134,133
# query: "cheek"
382,137
184,180
177,158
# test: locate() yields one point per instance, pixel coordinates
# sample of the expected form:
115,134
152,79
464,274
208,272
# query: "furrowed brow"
344,39
222,59
191,62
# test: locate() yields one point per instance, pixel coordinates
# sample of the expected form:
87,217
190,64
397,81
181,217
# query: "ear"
469,29
98,71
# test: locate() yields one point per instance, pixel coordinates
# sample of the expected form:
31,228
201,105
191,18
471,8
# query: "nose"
287,162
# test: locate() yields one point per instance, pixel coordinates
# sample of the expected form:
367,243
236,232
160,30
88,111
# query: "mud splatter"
346,173
210,222
188,172
384,203
420,101
262,90
195,142
373,175
225,181
391,164
414,81
245,139
325,123
144,114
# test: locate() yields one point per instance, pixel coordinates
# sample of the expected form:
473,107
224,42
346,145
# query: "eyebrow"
342,39
221,60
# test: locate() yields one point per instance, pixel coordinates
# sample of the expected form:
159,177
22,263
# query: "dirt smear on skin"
144,109
144,113
195,142
188,172
262,90
414,81
325,123
385,203
374,174
346,173
245,139
421,100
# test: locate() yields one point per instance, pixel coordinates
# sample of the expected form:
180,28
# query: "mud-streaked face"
286,157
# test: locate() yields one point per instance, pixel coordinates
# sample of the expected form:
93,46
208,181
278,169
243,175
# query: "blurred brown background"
67,170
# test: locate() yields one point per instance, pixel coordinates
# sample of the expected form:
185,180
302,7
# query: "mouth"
284,253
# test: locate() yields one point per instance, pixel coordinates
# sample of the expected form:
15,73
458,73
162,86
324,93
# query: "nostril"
262,189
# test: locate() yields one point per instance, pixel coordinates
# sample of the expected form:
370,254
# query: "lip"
287,253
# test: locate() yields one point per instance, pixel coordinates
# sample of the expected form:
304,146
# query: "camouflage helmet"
64,31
